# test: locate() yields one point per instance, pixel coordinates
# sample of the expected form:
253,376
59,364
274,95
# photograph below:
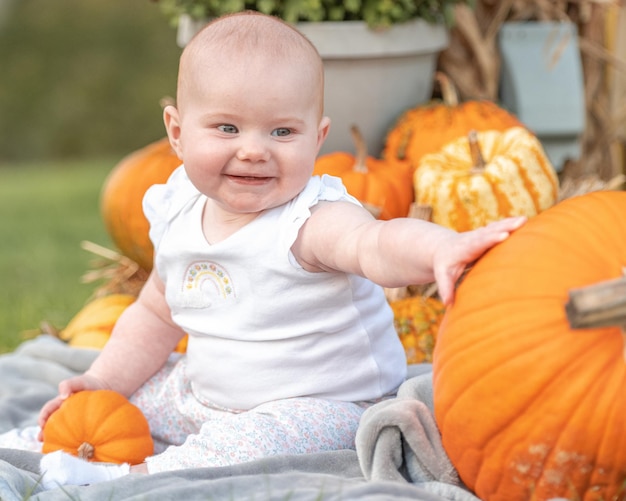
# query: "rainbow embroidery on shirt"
204,282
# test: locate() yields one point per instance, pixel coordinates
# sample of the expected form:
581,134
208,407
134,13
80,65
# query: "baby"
275,275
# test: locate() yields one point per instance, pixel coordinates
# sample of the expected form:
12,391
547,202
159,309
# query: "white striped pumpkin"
470,183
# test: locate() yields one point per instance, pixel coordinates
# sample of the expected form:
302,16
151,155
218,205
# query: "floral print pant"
190,434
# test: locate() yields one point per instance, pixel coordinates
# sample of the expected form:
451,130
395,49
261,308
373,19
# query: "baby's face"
249,134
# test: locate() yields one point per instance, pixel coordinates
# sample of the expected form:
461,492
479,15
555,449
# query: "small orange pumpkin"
426,128
101,426
529,408
122,196
384,187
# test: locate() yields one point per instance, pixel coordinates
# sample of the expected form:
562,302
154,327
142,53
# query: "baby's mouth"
249,179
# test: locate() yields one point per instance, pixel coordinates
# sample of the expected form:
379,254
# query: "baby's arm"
142,339
344,237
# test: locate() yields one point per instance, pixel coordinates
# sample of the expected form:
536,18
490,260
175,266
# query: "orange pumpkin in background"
384,187
122,195
426,128
100,426
529,408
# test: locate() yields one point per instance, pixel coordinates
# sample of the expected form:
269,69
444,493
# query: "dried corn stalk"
472,61
120,274
571,187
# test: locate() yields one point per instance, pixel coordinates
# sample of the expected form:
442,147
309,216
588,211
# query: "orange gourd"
487,176
122,195
426,128
384,187
529,408
101,426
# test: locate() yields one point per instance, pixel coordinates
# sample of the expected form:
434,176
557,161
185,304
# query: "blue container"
542,84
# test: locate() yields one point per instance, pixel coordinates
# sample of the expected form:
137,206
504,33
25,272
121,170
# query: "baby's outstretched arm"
143,338
344,237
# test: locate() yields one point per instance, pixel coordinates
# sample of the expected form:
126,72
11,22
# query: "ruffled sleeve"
332,189
162,202
325,188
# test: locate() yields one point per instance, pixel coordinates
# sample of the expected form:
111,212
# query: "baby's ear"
171,118
322,131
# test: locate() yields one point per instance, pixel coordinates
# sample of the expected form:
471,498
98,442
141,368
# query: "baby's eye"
281,132
229,129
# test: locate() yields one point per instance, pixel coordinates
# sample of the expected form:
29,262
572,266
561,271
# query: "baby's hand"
461,249
66,388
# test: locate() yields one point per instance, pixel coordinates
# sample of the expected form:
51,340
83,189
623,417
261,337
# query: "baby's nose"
253,148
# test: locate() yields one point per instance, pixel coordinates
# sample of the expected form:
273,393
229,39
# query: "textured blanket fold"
398,440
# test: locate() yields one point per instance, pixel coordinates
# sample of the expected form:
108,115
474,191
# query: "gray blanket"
399,454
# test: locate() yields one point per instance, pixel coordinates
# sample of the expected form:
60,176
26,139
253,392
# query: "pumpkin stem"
448,91
599,305
361,150
477,156
86,451
421,211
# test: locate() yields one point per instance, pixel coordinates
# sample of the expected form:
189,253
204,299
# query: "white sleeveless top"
260,327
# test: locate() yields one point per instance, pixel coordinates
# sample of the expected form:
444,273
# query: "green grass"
46,210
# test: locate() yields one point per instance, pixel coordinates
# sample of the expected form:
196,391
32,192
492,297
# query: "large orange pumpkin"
122,195
529,408
384,187
101,426
426,128
491,175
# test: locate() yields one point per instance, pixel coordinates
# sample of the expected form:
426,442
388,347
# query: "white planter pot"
371,76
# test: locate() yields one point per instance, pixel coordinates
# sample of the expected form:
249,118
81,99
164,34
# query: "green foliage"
82,78
46,211
377,13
